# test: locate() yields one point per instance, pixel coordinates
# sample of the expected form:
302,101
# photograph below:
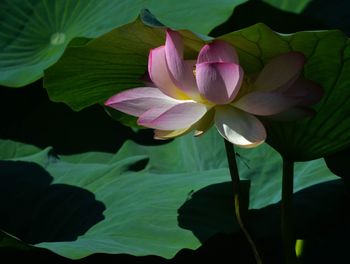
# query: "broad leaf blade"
328,63
140,215
34,33
90,74
178,200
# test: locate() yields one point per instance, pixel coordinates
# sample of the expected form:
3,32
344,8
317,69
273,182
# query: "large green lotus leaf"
89,74
126,211
266,180
11,149
34,33
98,202
328,54
289,5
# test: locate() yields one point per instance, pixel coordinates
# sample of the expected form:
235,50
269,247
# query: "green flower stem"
287,212
231,158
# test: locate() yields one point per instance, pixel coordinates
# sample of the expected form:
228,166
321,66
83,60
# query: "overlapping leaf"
34,33
291,6
116,61
98,202
328,54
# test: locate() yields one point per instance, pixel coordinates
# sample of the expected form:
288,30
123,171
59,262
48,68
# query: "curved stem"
287,212
231,158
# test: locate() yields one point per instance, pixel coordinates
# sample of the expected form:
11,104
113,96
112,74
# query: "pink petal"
280,71
160,76
265,103
238,127
139,100
176,117
181,70
200,127
308,91
219,82
218,51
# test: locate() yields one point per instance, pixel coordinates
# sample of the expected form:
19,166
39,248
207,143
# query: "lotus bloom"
192,95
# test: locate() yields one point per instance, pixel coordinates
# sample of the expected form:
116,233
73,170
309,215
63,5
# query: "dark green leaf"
287,5
282,21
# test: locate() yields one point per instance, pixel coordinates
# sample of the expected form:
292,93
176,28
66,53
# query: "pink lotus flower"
187,95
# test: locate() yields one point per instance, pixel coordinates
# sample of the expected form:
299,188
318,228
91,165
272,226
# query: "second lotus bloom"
192,95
